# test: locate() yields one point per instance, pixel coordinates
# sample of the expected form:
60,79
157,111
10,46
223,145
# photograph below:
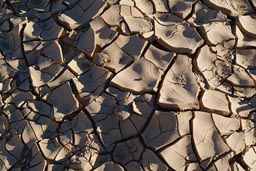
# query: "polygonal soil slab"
179,89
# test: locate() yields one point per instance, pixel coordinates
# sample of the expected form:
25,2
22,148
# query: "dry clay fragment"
39,5
50,148
240,77
101,110
132,45
217,33
176,34
247,24
250,158
6,159
232,8
208,142
10,40
249,128
246,58
97,35
19,98
223,163
215,101
141,76
215,71
161,5
158,57
109,166
37,162
44,30
226,125
138,25
243,40
178,154
182,8
236,142
113,61
183,119
15,146
179,89
146,6
82,14
241,106
204,15
63,101
161,130
80,64
150,161
112,15
4,124
129,150
91,83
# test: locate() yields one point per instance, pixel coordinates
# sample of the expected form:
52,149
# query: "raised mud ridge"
127,85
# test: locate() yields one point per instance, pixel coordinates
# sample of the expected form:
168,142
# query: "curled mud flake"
231,8
177,35
180,7
247,24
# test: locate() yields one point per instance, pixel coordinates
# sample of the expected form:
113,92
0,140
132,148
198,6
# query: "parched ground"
128,85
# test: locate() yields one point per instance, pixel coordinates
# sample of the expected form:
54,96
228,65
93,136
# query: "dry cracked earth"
128,85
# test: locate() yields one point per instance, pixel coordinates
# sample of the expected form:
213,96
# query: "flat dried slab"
208,142
109,167
218,33
181,8
249,158
240,77
161,130
214,70
112,15
122,152
81,14
243,39
247,24
215,101
145,6
138,25
141,76
176,34
63,100
232,8
97,35
132,45
178,154
246,58
179,82
236,142
205,15
159,57
113,61
91,83
226,125
161,5
44,30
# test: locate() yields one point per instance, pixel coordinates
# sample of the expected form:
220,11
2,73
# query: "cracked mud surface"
128,85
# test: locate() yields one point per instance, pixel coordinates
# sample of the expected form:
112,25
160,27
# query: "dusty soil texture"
127,85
